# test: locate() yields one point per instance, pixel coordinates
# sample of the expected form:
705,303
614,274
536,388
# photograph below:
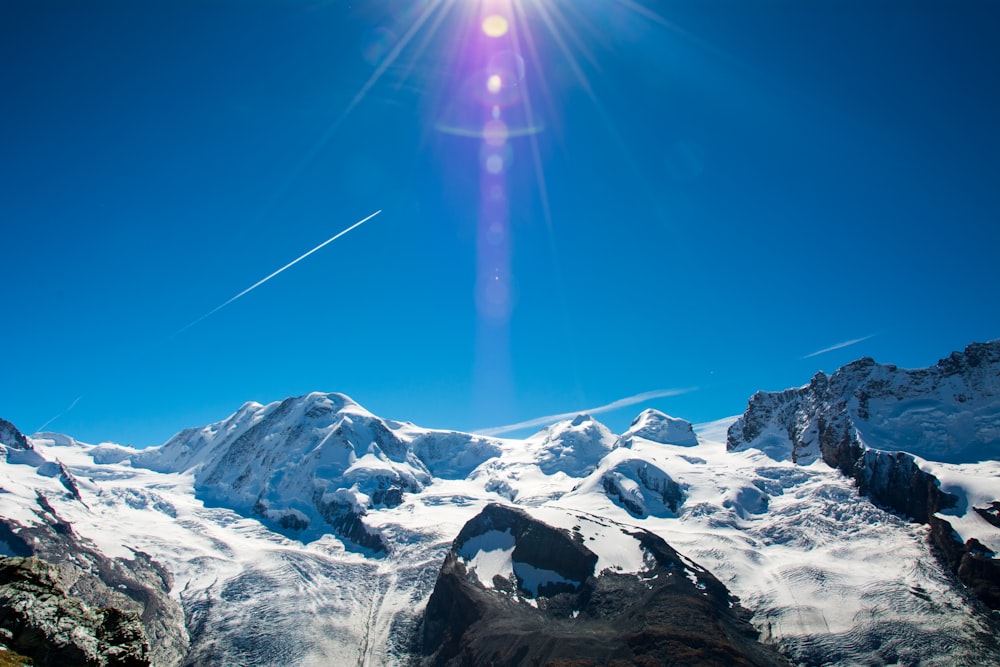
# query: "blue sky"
598,199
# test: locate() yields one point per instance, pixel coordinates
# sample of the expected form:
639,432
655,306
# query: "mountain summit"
853,520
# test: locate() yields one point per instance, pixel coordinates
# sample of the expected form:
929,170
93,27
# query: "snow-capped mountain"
921,442
549,584
312,532
949,412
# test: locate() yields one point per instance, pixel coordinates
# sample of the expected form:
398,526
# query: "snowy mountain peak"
310,531
658,427
884,427
314,464
573,446
948,412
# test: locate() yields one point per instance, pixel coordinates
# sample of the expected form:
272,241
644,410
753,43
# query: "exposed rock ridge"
137,585
948,412
673,612
12,438
42,621
842,419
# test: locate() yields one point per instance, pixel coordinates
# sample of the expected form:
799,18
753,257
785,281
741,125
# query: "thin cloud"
838,346
614,405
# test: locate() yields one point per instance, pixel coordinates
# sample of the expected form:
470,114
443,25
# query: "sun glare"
495,26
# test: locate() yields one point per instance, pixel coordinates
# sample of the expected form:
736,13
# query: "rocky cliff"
40,620
137,586
873,422
517,590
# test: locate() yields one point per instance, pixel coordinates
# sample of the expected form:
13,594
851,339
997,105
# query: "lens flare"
508,65
494,164
494,84
495,26
495,132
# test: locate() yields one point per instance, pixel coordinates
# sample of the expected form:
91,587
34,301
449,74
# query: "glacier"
311,532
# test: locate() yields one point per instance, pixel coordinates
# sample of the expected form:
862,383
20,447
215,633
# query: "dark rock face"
836,417
949,412
673,612
347,521
139,586
11,437
54,628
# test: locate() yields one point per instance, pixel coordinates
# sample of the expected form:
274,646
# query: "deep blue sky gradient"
731,188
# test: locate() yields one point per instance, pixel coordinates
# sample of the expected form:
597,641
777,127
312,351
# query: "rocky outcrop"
12,438
866,418
139,585
16,448
43,622
555,608
949,412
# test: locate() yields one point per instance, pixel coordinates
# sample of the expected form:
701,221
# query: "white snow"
655,426
976,485
534,578
489,555
825,572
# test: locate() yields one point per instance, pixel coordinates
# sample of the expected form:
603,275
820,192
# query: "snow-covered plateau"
312,532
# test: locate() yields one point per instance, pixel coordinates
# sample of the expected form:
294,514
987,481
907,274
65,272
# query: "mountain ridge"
311,530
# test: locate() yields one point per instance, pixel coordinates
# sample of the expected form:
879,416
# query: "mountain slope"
860,419
311,532
314,464
516,588
949,412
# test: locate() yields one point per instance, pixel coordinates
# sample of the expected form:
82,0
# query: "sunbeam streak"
386,63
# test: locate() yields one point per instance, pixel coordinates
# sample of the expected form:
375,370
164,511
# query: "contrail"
614,405
71,406
838,346
264,280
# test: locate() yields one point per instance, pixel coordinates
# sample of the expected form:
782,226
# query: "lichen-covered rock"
137,586
53,628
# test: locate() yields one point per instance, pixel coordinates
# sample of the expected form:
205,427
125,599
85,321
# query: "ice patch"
616,549
534,579
489,555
